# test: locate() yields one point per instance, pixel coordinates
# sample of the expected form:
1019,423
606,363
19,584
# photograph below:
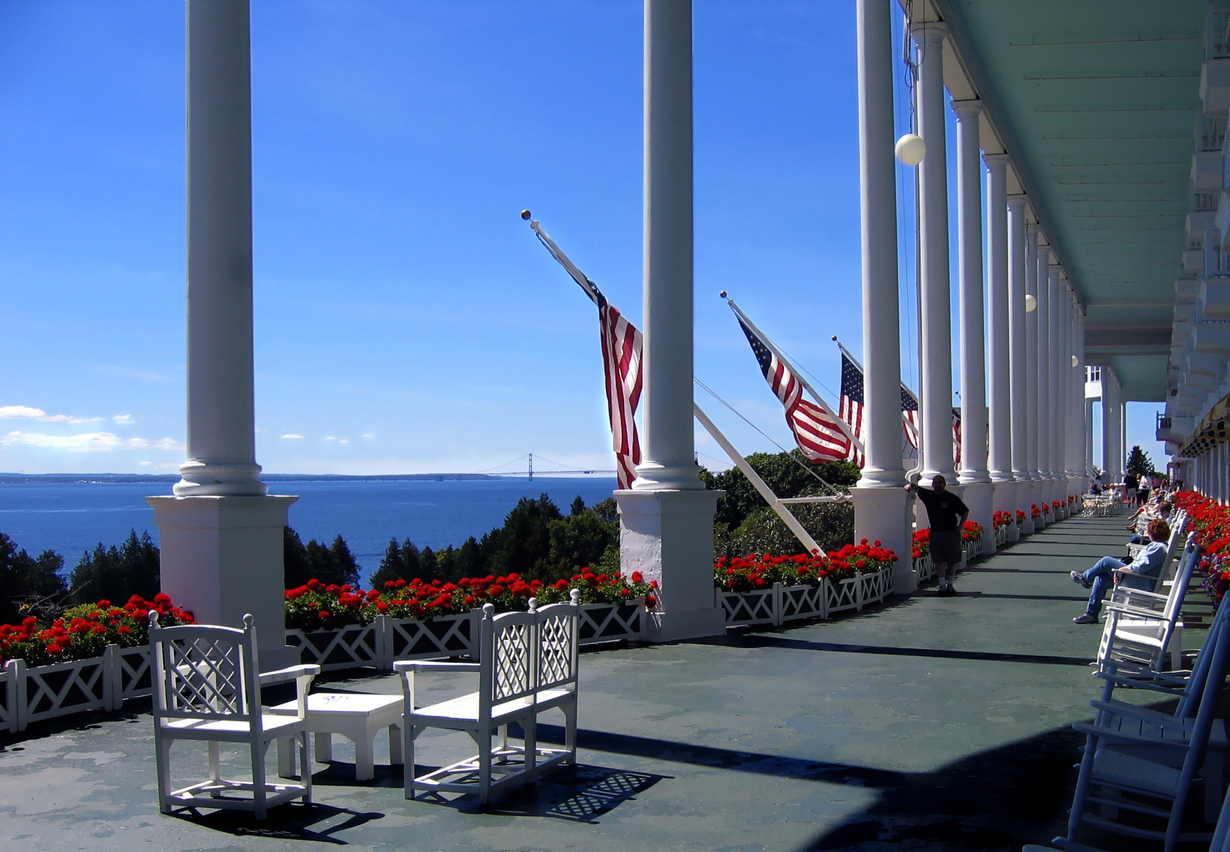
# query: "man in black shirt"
946,514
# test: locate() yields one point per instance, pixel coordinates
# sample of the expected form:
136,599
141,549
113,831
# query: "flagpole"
759,484
917,468
841,424
583,282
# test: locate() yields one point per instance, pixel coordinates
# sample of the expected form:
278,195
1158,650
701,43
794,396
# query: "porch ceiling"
1096,102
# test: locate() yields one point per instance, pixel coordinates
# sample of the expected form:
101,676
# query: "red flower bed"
1020,517
761,571
84,631
921,542
317,606
1000,520
1211,522
971,531
1034,511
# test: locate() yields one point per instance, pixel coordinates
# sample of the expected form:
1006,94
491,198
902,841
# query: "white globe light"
1031,304
1075,361
911,149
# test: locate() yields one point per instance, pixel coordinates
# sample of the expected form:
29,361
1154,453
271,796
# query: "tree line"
537,540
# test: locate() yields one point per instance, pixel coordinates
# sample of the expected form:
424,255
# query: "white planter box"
344,648
1001,536
923,568
604,622
779,604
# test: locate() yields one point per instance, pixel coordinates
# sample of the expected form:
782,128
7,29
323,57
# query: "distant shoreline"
69,478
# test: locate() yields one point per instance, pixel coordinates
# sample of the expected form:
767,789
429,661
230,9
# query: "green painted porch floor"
928,723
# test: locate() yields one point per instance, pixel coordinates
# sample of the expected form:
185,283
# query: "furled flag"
956,437
621,365
909,416
621,361
818,434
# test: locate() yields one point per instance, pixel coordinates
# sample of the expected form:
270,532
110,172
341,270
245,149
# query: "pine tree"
1139,463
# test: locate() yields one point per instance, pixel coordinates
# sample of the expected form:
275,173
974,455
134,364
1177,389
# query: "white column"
667,442
666,519
935,393
221,426
1019,240
221,537
1055,425
973,474
999,390
1046,423
1031,376
880,503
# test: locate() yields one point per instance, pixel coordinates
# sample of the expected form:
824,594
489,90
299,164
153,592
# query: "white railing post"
20,711
112,693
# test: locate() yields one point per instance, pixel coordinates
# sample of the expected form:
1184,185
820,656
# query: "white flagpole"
845,427
772,499
585,284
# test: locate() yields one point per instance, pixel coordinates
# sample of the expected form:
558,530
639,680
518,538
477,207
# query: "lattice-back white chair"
527,665
1140,625
207,689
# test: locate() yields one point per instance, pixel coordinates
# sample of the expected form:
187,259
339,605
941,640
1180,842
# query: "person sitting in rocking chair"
1147,566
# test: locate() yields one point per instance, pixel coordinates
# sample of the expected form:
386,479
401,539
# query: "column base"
1003,499
978,497
222,558
667,535
885,514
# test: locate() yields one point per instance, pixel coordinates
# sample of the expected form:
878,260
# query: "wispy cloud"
87,442
296,437
368,435
25,412
123,419
127,373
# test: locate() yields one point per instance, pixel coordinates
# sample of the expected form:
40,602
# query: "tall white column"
1031,374
1019,240
221,537
1055,424
666,519
935,392
667,442
999,390
221,440
880,503
1046,423
973,474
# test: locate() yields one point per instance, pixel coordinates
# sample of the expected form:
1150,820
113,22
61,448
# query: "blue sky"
406,319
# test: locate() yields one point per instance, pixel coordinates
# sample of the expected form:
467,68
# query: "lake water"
71,518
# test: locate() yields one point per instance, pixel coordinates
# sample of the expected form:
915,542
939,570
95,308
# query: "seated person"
1141,518
1147,566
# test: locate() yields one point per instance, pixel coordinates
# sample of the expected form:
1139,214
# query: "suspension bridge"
524,466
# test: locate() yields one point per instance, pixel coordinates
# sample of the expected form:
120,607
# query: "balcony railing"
1204,202
1217,34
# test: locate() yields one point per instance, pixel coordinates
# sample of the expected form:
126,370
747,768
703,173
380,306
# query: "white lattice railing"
612,622
923,568
778,604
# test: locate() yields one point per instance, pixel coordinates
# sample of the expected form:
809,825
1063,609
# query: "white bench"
527,665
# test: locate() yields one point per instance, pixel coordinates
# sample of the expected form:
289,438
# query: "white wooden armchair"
527,665
207,689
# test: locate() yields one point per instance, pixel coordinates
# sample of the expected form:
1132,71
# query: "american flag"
851,406
909,416
621,365
621,361
817,433
956,437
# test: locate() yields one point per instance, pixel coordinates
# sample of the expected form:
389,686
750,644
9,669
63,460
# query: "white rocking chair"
1145,762
1141,625
207,688
527,665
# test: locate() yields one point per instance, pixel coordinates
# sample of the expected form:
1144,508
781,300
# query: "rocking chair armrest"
1109,735
1152,681
287,674
1129,592
1139,611
403,666
1135,711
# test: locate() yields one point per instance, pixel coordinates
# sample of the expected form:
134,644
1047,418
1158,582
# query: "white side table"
357,717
